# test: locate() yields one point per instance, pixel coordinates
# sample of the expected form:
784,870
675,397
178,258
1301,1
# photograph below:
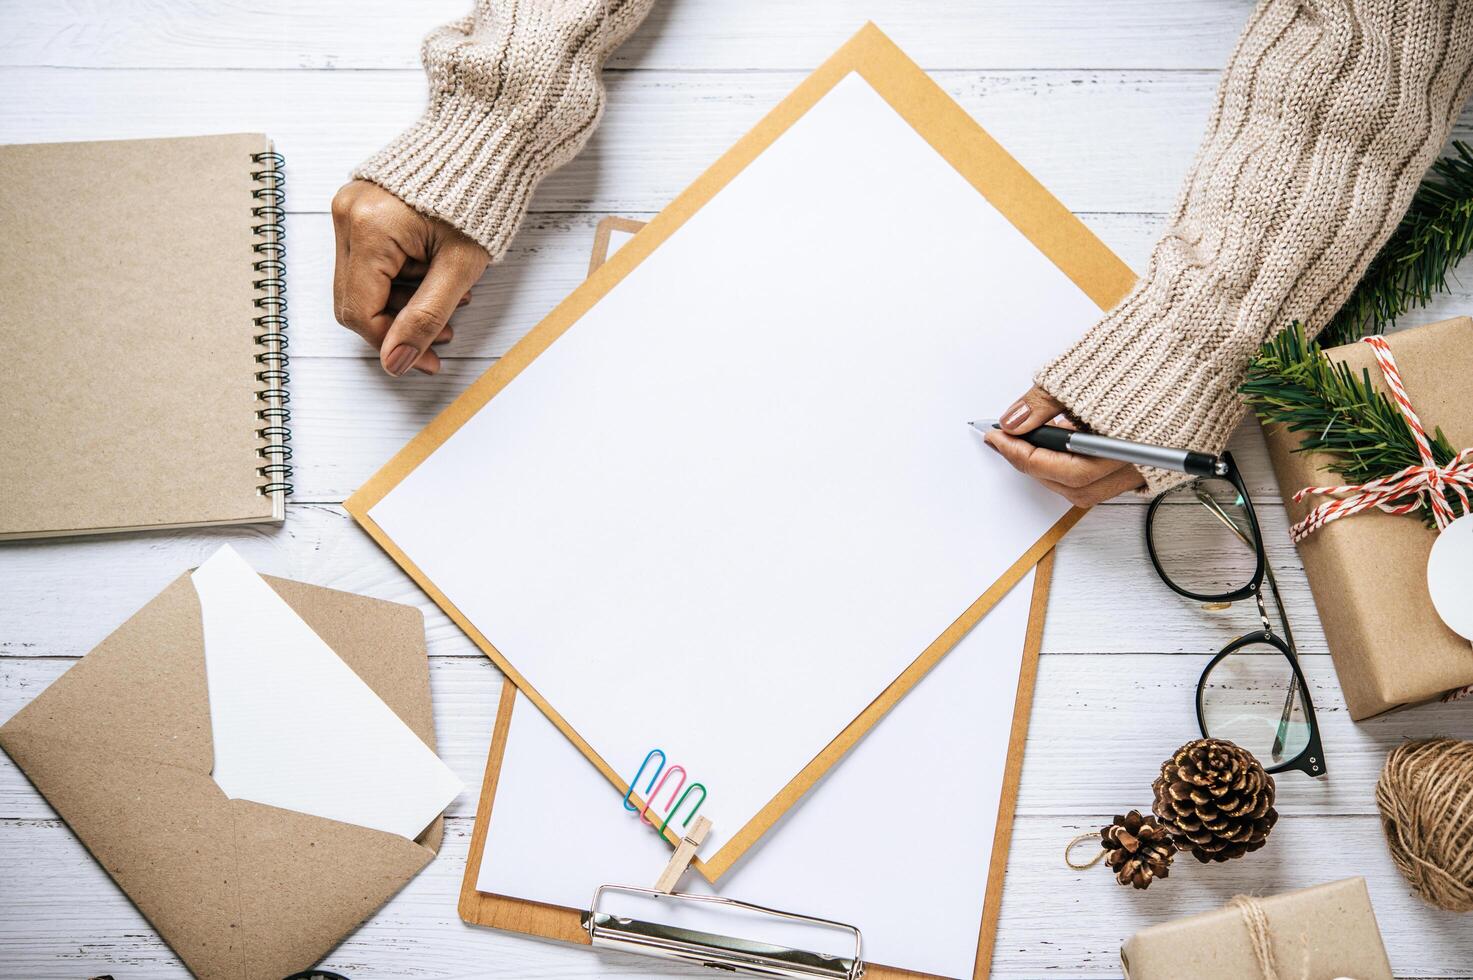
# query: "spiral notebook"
144,374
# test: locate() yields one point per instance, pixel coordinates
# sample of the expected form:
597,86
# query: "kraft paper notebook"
245,879
144,374
841,852
730,479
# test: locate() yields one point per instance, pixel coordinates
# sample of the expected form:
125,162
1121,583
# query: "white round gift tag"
1450,575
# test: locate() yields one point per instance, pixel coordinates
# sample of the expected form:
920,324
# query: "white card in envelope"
293,726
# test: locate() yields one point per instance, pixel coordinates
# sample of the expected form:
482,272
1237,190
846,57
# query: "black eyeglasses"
1204,541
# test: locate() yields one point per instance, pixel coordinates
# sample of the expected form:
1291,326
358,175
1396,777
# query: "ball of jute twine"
1425,795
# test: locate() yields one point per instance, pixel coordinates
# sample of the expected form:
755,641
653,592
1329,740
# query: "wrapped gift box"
1368,571
1320,933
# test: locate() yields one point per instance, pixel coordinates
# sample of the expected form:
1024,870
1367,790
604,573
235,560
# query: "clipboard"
1015,194
569,925
512,914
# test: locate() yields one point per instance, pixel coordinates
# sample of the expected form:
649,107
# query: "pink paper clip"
645,813
657,779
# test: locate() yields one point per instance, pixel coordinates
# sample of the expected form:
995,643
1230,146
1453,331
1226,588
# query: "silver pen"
1105,447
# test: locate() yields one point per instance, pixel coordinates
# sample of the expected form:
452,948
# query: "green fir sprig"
1414,264
1294,384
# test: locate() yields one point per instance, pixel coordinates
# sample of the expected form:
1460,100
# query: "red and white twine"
1399,493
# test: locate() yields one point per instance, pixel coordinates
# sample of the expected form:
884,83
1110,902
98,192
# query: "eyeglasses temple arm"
1215,509
1288,712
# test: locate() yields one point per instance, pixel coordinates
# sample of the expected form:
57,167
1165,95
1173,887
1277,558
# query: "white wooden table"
1104,102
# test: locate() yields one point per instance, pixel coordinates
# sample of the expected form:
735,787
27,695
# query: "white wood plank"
465,692
549,259
65,595
1100,140
1102,725
1060,922
66,920
1140,706
679,34
349,418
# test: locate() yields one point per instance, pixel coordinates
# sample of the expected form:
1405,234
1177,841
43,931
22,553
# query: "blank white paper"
732,503
294,727
863,847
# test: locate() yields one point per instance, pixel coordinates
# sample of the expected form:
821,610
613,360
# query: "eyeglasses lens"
1250,697
1204,539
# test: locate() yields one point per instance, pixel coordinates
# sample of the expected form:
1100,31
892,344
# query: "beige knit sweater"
514,94
1327,116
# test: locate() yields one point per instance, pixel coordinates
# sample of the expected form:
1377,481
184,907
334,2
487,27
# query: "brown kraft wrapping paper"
1368,571
1319,933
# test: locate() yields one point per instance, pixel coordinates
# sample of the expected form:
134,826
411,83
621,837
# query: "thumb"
1035,408
452,271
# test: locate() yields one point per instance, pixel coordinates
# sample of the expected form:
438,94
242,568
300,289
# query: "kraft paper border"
985,165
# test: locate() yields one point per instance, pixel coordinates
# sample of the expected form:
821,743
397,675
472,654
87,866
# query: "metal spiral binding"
270,229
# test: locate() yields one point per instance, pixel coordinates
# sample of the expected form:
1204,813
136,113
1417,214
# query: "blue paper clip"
653,776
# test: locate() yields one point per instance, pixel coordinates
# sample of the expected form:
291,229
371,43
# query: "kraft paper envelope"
121,747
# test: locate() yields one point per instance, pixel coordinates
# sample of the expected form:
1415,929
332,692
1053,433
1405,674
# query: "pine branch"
1416,261
1293,383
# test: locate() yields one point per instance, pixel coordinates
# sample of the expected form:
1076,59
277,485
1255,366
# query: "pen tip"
983,425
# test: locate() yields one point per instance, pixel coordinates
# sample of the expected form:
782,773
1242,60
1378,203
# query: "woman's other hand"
1082,480
399,275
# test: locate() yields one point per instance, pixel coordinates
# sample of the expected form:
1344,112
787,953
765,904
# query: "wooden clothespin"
683,856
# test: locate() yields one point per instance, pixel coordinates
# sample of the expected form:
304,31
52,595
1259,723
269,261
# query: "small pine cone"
1215,799
1137,849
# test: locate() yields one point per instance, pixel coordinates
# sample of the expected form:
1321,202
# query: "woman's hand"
1082,480
399,275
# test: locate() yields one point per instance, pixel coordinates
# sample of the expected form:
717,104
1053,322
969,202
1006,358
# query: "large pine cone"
1215,799
1137,849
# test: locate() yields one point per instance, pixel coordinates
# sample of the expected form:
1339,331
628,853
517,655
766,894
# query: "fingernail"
400,360
1016,414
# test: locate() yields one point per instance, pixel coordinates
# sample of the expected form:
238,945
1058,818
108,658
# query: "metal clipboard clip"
729,953
717,952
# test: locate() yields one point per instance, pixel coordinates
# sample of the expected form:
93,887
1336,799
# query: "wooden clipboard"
555,922
530,918
1021,199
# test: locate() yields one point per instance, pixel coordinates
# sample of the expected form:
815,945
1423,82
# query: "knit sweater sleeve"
514,94
1327,116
